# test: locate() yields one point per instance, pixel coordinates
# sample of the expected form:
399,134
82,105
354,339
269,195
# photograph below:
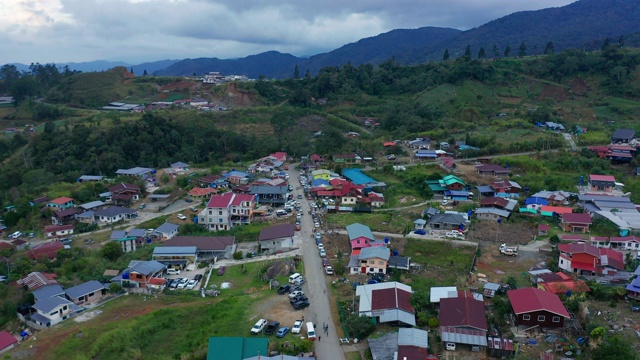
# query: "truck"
508,250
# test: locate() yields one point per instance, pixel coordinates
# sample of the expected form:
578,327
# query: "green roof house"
236,348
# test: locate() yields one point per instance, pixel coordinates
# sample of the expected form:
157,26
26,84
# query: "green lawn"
392,221
177,325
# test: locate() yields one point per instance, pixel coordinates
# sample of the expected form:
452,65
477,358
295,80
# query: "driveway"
320,311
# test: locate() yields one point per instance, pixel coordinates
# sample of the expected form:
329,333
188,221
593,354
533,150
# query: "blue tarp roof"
536,200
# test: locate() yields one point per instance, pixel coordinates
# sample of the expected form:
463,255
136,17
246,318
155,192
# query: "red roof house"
316,158
58,230
588,259
7,341
543,229
46,250
576,222
535,307
202,193
463,320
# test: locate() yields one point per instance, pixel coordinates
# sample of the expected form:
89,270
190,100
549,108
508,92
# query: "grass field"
393,222
173,326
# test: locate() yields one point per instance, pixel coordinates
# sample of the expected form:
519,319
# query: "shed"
490,289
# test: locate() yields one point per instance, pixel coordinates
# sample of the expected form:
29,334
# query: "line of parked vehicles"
273,327
297,298
182,283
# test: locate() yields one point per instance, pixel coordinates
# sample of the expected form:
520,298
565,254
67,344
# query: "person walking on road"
319,337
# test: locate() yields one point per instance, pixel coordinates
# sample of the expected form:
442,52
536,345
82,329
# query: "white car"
314,205
295,293
323,253
317,224
445,202
320,246
192,284
259,326
328,270
182,217
297,327
182,283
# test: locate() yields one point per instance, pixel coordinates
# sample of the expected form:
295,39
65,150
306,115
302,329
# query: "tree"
307,74
548,50
496,51
445,57
614,348
467,53
481,53
359,326
111,251
523,50
621,41
145,73
507,51
296,72
131,70
606,44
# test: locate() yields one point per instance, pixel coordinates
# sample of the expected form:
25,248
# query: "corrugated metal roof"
437,293
463,336
413,337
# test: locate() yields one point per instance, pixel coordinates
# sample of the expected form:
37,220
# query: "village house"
361,237
237,177
114,214
560,284
601,183
535,203
492,170
208,247
85,178
86,293
212,181
227,210
7,341
45,251
276,238
54,231
35,280
621,243
64,216
139,274
124,194
556,198
576,222
447,222
131,240
177,257
135,172
346,158
462,320
198,193
590,260
60,203
537,308
274,195
369,260
506,188
166,231
388,302
623,136
92,206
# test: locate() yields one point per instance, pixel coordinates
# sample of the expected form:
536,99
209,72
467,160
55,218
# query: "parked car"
272,327
323,253
318,236
298,299
299,196
188,200
295,288
282,331
316,224
192,284
328,270
174,284
297,327
295,293
168,283
142,206
420,232
183,283
325,262
284,289
320,246
182,217
221,270
259,326
66,241
198,277
301,305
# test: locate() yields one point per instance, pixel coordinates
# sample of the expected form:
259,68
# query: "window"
372,262
541,317
220,212
555,319
561,262
219,220
526,317
380,262
53,313
90,294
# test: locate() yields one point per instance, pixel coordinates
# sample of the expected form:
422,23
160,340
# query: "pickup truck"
509,250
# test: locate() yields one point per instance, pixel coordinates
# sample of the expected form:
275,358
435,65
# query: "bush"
237,255
433,322
248,255
114,288
359,326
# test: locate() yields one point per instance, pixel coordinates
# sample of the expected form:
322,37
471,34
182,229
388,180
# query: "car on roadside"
299,305
317,225
282,331
298,299
328,270
445,202
284,289
192,284
174,284
182,217
320,246
295,288
66,241
221,270
259,326
188,200
142,206
198,277
325,262
272,327
168,283
635,308
323,253
297,327
299,196
299,282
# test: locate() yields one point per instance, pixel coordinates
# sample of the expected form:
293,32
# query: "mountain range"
583,24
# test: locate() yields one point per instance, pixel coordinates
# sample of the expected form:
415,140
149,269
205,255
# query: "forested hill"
567,27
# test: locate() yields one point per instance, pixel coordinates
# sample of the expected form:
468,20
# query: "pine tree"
481,53
445,57
296,73
131,70
467,52
145,73
523,50
607,43
621,41
507,51
496,51
307,75
549,49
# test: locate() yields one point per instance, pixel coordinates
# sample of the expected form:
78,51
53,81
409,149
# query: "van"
294,277
311,331
16,235
172,271
281,212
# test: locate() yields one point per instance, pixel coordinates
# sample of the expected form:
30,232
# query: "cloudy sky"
137,31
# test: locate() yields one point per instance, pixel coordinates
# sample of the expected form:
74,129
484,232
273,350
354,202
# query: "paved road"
328,346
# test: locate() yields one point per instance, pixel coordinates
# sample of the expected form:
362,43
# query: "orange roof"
197,191
61,200
556,209
157,281
561,287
